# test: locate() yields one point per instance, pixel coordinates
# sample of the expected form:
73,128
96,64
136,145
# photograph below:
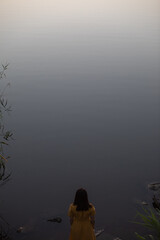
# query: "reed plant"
149,218
5,135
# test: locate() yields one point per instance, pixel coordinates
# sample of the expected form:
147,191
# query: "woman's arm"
92,218
71,220
71,213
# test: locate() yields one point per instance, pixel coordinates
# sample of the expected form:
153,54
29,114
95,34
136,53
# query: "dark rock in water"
117,238
98,232
105,236
154,186
25,229
144,203
28,227
155,203
57,219
20,229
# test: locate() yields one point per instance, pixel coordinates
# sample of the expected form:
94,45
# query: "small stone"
154,186
57,219
20,229
98,232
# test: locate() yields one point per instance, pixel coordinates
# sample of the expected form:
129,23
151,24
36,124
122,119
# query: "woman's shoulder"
72,206
92,208
91,205
71,210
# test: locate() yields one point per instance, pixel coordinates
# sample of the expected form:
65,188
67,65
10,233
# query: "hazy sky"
90,12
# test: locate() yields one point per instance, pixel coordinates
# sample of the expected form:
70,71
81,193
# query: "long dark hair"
81,200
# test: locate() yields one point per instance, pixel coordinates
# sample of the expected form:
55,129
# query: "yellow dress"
81,228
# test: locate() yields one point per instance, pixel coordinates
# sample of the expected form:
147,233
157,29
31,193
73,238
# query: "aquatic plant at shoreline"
151,220
3,70
4,229
5,135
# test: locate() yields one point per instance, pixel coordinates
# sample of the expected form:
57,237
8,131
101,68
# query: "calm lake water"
85,96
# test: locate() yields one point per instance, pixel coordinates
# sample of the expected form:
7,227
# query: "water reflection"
86,108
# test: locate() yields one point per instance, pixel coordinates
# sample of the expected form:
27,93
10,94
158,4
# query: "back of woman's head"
81,200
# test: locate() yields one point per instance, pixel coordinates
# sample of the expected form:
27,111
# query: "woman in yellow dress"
82,217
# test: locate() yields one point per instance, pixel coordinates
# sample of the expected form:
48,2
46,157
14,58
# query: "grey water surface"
85,96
